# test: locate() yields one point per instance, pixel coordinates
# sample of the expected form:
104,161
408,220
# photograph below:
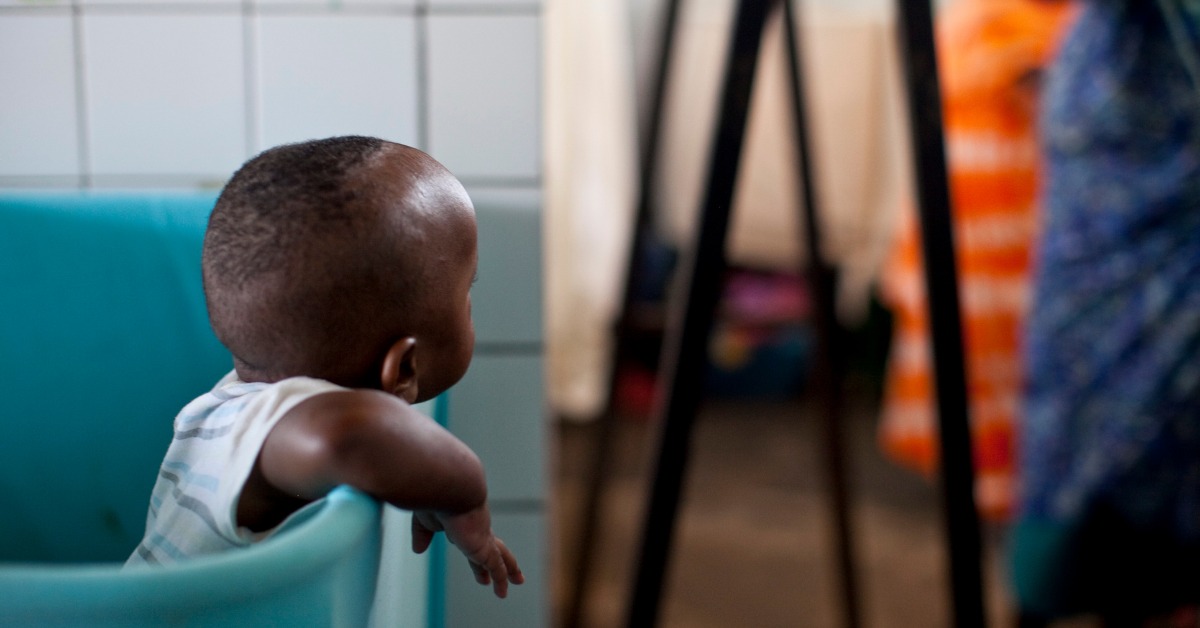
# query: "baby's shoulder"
223,402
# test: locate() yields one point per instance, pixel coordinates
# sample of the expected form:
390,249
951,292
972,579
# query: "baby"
338,274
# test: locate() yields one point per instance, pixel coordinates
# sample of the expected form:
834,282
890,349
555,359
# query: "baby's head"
349,259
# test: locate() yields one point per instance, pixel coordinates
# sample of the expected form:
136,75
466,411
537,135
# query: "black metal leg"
829,373
685,357
941,280
643,219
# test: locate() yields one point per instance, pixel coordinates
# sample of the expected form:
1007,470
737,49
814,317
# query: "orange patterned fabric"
990,53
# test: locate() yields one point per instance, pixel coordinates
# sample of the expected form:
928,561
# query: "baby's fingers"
484,577
495,568
421,535
510,563
481,574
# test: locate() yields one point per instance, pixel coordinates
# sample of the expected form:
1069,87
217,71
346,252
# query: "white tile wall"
38,122
507,299
40,4
180,93
165,94
526,606
484,96
495,411
323,75
155,3
338,5
518,5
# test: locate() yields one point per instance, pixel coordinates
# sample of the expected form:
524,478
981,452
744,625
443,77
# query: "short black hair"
300,275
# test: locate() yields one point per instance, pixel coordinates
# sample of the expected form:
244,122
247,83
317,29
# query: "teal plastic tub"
103,338
320,571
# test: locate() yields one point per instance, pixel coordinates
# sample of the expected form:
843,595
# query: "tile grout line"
279,8
471,10
82,121
422,62
509,348
250,79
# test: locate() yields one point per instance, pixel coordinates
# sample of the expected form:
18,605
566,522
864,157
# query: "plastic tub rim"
321,540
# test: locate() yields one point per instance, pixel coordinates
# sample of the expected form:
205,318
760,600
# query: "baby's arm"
382,446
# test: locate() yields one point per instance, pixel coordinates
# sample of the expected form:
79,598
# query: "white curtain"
591,167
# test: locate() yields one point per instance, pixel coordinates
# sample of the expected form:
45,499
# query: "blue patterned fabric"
1111,439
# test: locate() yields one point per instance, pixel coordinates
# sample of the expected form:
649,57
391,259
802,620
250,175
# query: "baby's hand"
471,533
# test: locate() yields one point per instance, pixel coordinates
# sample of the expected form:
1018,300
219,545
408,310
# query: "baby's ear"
399,374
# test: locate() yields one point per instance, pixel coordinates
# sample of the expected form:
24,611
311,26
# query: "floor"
754,544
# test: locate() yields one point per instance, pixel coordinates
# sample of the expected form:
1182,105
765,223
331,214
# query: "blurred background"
540,107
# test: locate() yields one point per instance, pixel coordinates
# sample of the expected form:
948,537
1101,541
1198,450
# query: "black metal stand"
685,356
941,282
830,365
685,359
